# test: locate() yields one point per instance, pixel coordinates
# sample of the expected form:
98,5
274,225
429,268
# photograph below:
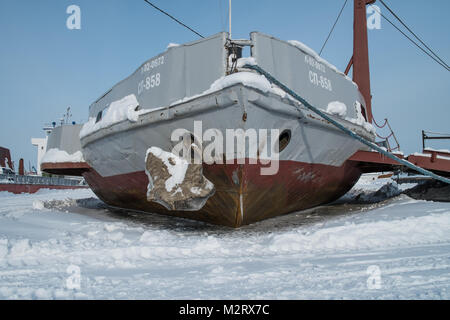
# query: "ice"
303,47
246,60
249,79
7,163
175,182
429,155
439,156
438,150
321,253
42,294
370,189
426,229
418,154
360,120
55,155
120,110
172,45
38,205
126,108
175,165
337,108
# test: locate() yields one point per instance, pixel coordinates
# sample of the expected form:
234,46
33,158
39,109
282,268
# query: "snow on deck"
337,108
117,111
437,150
330,252
303,47
55,155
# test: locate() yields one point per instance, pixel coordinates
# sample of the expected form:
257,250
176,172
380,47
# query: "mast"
229,16
360,59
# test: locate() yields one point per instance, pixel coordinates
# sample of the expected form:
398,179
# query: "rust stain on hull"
252,199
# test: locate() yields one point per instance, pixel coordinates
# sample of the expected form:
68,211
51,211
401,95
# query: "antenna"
229,15
66,116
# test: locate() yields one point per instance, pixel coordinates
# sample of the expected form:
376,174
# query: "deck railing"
17,179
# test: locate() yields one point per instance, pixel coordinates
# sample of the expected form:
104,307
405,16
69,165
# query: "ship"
30,181
203,89
60,145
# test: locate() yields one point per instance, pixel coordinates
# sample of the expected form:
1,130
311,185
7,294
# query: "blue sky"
44,67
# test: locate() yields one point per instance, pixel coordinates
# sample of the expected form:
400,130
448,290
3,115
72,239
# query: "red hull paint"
32,188
243,196
65,168
437,165
5,155
369,161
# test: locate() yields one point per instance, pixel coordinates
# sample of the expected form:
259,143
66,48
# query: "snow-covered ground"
68,245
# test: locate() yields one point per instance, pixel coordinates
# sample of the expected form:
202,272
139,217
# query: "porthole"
284,139
99,116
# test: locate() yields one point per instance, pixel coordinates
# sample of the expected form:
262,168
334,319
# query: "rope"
409,38
407,28
332,28
344,129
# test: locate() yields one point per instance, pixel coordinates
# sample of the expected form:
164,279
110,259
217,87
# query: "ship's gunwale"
194,107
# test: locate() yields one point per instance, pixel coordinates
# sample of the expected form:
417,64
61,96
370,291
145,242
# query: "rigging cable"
173,18
332,28
409,38
436,133
407,28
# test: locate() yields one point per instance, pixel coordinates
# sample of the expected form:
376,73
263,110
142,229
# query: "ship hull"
312,169
242,195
